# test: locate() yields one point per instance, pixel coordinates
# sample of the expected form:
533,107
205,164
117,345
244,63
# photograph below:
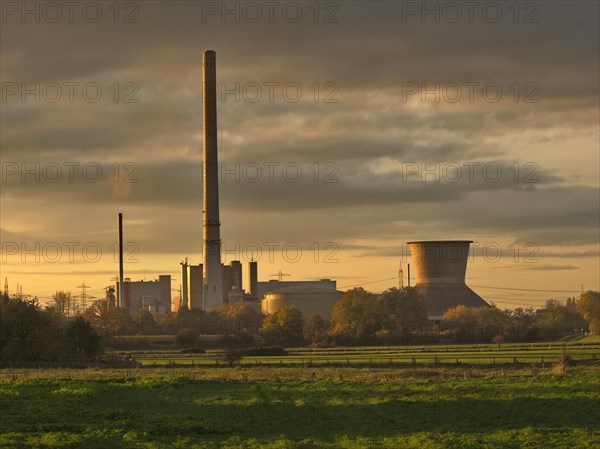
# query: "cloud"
364,141
551,267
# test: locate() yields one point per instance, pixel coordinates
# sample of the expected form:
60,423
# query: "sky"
346,129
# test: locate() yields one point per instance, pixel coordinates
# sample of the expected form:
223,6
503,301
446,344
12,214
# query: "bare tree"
64,303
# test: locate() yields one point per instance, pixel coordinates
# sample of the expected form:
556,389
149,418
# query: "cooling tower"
440,268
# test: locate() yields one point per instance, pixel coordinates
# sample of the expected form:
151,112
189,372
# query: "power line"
371,282
472,285
516,301
526,289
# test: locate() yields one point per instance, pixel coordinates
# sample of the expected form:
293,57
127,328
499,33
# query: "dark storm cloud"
560,47
275,185
550,267
368,55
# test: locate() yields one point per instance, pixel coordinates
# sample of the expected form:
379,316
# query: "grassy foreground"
300,408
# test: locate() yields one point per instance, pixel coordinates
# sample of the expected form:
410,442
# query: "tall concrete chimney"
120,292
211,248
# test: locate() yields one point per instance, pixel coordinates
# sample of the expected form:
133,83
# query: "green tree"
28,333
403,312
186,338
492,324
23,329
589,306
556,320
356,317
146,322
522,327
459,324
315,329
109,320
242,320
283,327
83,340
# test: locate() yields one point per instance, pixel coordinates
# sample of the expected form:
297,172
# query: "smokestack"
211,249
253,279
183,302
236,275
120,292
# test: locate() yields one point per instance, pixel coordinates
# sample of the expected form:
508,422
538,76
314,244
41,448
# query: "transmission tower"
279,275
83,296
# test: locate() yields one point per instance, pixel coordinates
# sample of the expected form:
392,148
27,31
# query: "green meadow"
457,407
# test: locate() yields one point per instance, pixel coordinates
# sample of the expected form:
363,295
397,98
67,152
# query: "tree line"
397,316
29,332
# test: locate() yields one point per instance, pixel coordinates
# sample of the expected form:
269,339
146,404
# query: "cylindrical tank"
308,302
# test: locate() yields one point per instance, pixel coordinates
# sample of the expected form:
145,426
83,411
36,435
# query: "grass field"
386,355
170,411
455,406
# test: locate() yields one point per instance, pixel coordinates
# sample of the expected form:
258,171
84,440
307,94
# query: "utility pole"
400,277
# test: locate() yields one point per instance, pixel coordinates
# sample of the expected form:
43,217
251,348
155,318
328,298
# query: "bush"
263,351
83,340
564,363
498,339
186,338
193,350
232,356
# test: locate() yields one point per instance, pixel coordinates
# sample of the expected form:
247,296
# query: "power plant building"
440,269
231,280
310,297
196,286
154,296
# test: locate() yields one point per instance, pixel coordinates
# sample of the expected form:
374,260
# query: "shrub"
186,338
564,363
263,351
193,350
232,356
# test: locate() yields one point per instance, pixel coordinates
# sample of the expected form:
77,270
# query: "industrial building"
440,268
154,296
310,297
192,282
